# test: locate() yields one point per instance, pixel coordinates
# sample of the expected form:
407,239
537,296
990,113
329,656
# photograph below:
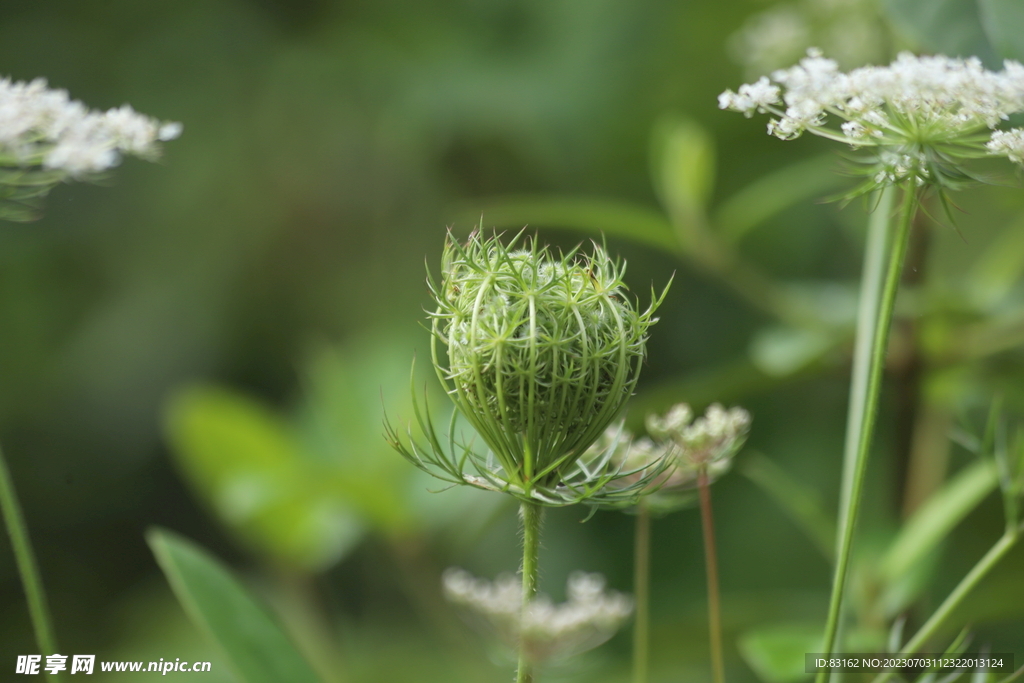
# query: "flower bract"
539,352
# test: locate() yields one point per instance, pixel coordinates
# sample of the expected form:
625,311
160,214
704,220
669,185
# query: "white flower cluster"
1008,143
44,127
915,104
709,441
545,630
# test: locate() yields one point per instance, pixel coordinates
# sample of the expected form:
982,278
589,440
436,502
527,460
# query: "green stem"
878,298
711,565
642,591
954,599
531,514
31,581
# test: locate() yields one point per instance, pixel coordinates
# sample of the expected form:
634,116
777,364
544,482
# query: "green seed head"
541,349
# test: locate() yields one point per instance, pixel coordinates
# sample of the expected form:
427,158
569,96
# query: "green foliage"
248,463
683,170
801,503
254,642
776,653
934,520
989,29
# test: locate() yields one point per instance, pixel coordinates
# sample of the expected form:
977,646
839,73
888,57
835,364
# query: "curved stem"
642,590
711,564
878,298
31,581
956,597
531,514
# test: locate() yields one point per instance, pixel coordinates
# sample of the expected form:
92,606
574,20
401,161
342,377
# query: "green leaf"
776,652
683,169
770,194
999,267
800,502
247,462
1003,22
946,508
253,640
594,216
950,27
781,351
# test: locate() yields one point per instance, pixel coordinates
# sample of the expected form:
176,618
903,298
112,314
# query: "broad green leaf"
999,267
802,503
803,181
776,652
950,27
594,216
933,521
253,640
781,351
683,169
1003,22
247,463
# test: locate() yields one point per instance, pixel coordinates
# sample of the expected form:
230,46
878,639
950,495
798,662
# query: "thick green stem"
883,264
531,514
711,565
31,581
955,598
642,592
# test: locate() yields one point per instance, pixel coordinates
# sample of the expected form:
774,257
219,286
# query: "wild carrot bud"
542,349
538,351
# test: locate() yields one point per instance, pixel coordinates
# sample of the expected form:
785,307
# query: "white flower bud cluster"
718,434
44,127
915,102
689,446
1008,143
545,630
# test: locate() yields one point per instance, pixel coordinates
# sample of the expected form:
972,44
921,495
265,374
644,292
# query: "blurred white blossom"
681,447
40,126
853,29
545,630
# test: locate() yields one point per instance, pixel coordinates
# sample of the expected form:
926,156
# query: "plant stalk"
883,265
531,514
642,592
711,565
31,580
956,597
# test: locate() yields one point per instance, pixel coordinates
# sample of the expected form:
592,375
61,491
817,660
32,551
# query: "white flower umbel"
46,137
920,115
544,630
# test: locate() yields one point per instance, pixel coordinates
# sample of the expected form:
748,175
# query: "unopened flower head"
545,630
542,350
921,115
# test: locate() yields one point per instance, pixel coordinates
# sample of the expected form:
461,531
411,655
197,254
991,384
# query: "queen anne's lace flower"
545,630
925,111
680,449
44,127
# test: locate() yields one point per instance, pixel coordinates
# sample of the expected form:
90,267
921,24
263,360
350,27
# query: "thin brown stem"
642,590
711,564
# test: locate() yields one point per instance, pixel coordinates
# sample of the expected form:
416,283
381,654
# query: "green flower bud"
540,350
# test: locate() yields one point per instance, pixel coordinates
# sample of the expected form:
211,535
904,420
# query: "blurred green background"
206,343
